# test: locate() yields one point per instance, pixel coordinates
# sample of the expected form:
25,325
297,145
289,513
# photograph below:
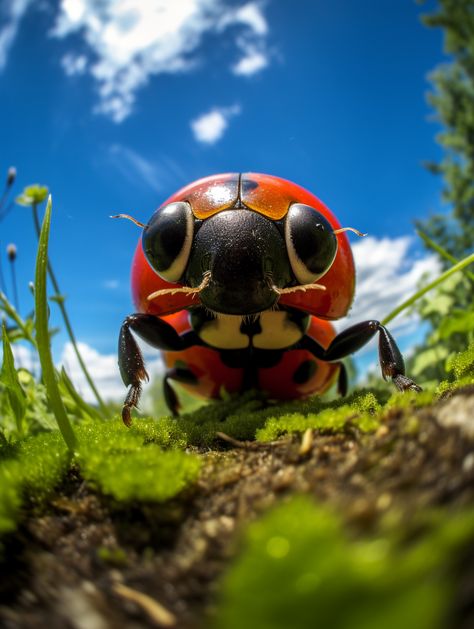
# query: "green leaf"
23,325
9,377
440,304
428,358
42,334
458,321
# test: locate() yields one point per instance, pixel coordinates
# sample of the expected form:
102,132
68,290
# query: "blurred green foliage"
29,471
298,567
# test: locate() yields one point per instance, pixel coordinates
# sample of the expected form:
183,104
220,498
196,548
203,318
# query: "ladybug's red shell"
271,197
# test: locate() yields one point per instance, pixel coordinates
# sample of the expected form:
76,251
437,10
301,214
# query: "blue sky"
115,108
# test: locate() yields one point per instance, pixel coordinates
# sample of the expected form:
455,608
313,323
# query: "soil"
86,562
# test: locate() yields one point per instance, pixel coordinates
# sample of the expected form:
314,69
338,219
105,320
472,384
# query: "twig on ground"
251,445
155,610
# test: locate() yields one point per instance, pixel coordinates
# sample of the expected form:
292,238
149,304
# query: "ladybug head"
239,260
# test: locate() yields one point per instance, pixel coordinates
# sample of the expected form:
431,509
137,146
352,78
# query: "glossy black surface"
164,236
246,255
313,238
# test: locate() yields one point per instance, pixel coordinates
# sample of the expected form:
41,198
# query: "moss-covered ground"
355,513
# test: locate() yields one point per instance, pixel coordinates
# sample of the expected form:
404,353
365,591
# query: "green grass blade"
42,334
11,312
444,276
9,377
440,251
86,408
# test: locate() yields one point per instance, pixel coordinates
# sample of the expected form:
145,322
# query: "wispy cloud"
211,126
252,43
136,168
74,64
111,284
129,41
12,13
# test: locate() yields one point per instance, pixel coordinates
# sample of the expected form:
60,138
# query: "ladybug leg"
178,374
342,382
355,337
156,333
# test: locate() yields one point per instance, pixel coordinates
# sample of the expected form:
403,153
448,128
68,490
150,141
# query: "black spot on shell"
304,372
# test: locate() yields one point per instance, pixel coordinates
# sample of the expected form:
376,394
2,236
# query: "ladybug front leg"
178,374
156,333
355,337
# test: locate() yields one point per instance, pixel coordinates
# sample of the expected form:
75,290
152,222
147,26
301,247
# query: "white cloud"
74,64
249,14
386,276
25,358
255,56
210,127
254,61
135,167
13,13
129,41
104,371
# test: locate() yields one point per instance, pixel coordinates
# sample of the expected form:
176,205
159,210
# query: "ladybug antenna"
129,218
293,289
187,290
348,229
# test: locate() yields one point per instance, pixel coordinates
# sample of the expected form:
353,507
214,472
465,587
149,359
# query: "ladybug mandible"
235,280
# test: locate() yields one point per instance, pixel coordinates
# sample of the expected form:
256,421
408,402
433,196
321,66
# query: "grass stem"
67,323
444,276
440,251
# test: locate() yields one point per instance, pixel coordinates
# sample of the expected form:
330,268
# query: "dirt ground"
87,563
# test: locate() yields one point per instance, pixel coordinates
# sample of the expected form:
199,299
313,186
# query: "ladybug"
236,279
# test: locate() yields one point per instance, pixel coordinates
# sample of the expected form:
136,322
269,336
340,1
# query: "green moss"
462,364
249,415
410,399
238,417
360,410
30,468
131,464
298,568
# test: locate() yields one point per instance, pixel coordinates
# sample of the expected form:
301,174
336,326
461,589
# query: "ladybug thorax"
271,329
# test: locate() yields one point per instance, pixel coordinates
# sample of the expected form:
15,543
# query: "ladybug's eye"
167,240
310,242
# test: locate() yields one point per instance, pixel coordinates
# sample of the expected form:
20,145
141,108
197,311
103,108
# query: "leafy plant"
451,234
453,101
